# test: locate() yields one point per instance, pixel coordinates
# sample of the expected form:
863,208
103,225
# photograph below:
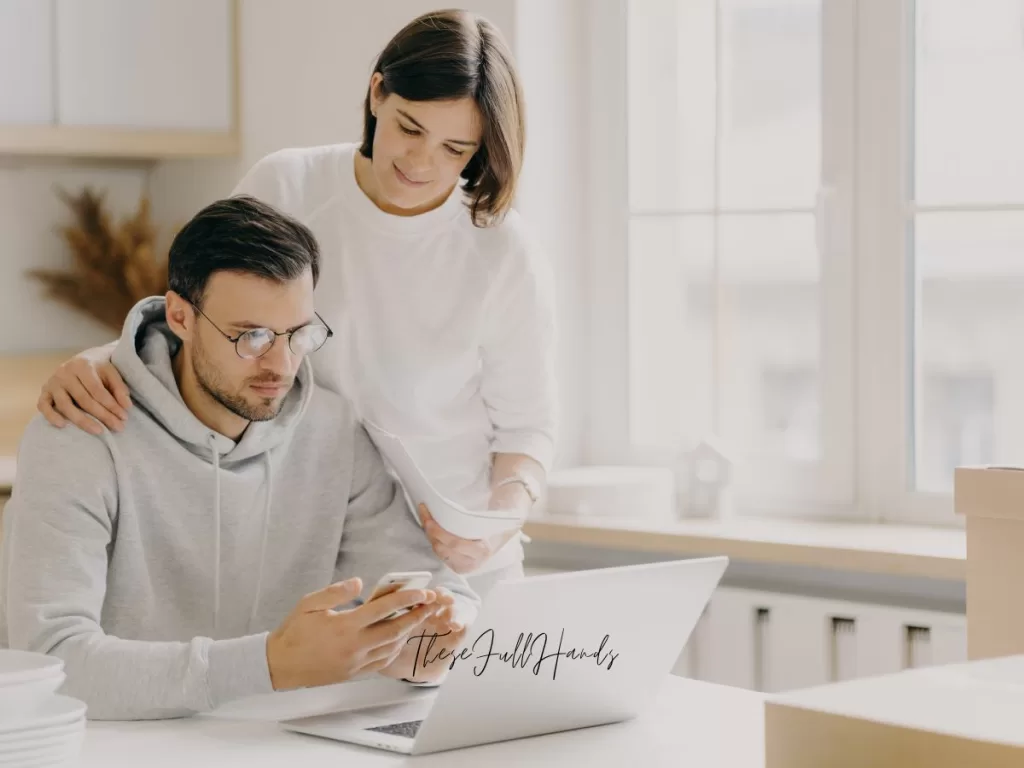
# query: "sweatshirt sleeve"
381,535
58,529
518,381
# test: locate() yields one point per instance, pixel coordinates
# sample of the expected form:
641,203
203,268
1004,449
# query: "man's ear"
180,316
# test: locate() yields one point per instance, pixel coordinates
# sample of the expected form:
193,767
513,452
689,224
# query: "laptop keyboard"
407,729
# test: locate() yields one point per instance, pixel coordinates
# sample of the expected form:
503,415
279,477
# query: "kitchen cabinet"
26,62
119,78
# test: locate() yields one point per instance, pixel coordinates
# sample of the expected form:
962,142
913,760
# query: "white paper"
451,516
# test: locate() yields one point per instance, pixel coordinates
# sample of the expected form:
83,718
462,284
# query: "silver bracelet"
526,482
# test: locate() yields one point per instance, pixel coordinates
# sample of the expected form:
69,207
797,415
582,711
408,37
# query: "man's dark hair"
239,234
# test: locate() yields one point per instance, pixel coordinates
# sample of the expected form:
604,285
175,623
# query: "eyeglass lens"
302,341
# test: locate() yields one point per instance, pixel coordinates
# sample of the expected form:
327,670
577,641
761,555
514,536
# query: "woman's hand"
86,385
461,555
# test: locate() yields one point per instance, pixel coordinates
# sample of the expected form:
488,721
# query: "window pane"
769,335
671,84
671,333
771,103
765,297
969,116
769,67
970,284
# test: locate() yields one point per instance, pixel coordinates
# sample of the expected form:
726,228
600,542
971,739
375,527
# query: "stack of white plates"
39,728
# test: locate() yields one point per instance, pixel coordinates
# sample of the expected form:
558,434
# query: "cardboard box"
951,716
992,501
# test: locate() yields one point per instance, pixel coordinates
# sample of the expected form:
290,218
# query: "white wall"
30,214
551,50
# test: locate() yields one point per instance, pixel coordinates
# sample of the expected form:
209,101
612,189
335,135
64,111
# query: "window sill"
895,550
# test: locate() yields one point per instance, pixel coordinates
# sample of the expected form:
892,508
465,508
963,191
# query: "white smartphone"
399,580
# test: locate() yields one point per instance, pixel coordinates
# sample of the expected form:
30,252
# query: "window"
730,158
957,426
790,412
966,215
810,244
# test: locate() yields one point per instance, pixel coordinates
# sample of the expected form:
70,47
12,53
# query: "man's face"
252,389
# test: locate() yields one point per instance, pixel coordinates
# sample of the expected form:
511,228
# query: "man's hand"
317,645
424,658
461,555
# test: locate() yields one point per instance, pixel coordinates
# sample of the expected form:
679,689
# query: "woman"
442,308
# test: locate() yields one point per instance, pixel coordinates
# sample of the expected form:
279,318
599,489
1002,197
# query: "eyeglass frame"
234,341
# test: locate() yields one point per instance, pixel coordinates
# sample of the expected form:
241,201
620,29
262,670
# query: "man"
199,555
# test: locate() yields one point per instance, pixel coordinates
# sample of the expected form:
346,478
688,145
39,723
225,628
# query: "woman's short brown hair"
455,54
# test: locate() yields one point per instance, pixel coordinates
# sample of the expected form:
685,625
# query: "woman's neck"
367,182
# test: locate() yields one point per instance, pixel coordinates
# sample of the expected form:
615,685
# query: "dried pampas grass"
113,266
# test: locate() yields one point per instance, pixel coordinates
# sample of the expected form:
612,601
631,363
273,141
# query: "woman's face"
420,148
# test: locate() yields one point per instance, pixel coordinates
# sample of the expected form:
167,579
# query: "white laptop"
547,653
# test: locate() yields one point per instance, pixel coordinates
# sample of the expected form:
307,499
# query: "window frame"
866,269
888,370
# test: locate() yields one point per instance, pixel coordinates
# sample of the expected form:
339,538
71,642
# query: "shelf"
87,142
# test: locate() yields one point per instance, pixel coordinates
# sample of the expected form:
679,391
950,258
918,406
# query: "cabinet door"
152,65
26,62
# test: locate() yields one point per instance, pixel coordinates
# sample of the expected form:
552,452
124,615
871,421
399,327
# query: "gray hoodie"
155,561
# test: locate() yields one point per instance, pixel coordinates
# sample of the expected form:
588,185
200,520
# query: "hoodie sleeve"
58,528
381,534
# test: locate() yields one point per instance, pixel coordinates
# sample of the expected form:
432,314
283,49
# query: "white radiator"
769,641
772,641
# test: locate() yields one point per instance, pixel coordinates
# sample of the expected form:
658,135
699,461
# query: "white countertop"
690,723
896,550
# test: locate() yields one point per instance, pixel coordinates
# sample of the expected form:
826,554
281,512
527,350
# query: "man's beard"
210,380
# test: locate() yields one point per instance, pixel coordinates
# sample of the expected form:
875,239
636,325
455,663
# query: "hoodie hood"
143,357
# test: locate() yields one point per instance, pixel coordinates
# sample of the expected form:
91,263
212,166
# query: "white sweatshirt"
444,331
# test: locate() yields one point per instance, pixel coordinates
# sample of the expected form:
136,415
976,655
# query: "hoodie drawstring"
216,532
263,542
216,536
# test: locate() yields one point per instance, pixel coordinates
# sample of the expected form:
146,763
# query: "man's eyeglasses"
256,342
